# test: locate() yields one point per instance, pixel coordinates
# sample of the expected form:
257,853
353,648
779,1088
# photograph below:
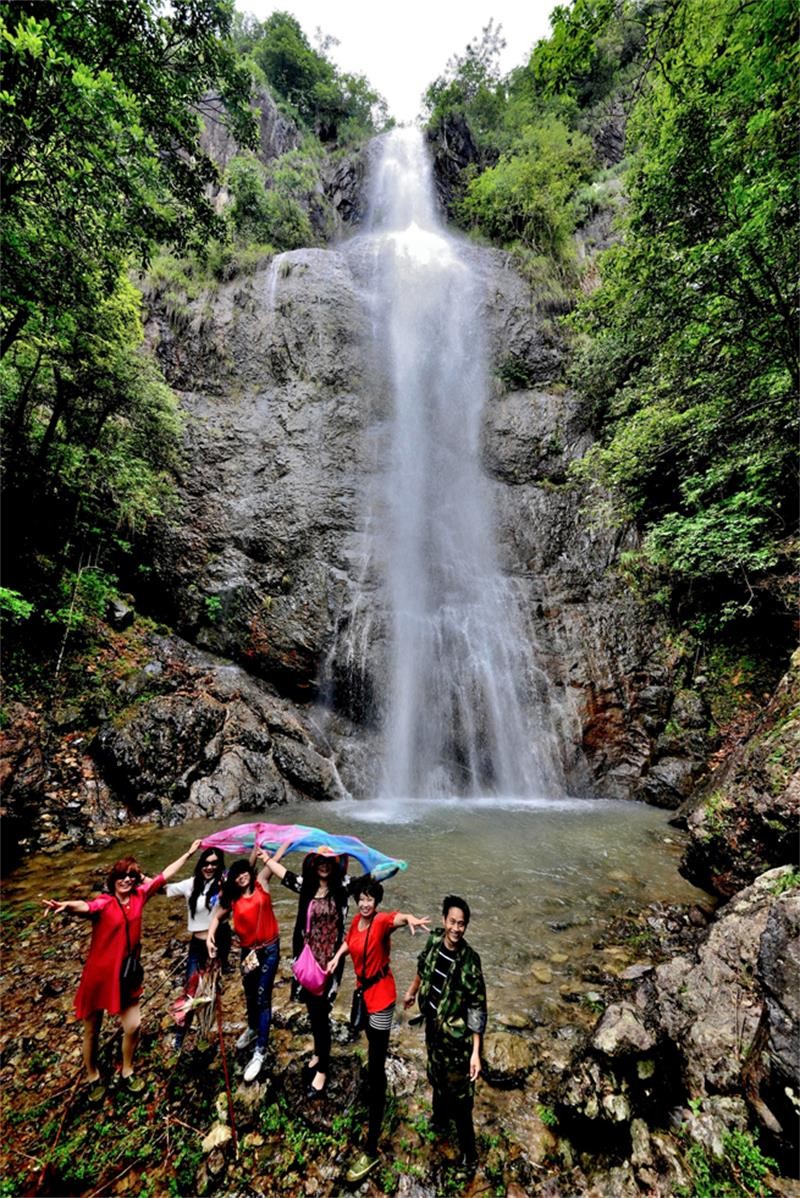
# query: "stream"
543,877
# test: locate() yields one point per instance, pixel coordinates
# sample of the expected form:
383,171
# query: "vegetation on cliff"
101,111
687,355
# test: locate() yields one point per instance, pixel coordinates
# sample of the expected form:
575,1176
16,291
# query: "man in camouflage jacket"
452,997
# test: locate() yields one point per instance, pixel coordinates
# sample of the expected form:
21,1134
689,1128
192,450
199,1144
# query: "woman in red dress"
367,942
116,931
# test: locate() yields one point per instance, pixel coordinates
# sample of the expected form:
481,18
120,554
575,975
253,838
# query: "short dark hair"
373,888
452,900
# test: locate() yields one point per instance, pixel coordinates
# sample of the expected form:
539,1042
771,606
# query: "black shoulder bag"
131,974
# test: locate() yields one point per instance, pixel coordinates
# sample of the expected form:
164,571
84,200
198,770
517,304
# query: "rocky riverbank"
653,1095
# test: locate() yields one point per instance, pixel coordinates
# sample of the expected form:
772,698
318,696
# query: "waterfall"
465,708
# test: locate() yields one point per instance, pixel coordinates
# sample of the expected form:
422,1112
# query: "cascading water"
461,713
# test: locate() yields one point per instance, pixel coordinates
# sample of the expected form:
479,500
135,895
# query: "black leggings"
319,1014
378,1041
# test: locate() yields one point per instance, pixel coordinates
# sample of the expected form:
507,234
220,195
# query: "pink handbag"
311,976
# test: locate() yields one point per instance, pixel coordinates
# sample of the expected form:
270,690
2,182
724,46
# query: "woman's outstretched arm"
67,907
273,864
412,922
267,862
170,870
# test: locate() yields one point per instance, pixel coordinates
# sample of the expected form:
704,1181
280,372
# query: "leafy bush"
268,213
13,606
526,197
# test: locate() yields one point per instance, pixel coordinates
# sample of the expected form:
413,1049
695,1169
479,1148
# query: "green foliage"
526,198
99,124
91,439
213,606
336,106
740,1173
81,597
547,1115
471,87
788,881
13,606
591,44
267,205
100,117
691,367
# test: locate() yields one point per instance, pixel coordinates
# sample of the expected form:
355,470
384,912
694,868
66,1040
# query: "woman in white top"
201,893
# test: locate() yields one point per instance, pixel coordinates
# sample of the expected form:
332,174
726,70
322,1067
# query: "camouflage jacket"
462,1007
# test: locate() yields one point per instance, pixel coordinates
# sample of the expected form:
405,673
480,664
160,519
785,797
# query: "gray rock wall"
286,408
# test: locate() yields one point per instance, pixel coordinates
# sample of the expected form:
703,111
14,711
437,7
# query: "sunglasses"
133,874
210,864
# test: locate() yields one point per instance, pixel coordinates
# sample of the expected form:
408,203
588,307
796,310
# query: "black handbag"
358,1012
131,974
358,1008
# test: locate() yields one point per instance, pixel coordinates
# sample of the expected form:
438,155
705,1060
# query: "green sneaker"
363,1165
132,1084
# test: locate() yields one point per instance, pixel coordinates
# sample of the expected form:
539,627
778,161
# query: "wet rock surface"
191,736
709,1034
286,409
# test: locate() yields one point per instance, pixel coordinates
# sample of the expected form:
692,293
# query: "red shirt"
99,989
383,993
253,918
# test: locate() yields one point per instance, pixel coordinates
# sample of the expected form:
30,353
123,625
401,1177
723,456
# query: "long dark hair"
311,878
199,881
229,891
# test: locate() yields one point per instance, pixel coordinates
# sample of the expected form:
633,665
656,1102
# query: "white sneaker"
253,1067
246,1039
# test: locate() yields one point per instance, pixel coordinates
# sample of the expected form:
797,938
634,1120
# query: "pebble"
542,974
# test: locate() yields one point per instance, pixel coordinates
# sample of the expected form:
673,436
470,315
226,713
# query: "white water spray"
461,714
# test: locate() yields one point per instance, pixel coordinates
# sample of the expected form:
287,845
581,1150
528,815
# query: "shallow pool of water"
543,878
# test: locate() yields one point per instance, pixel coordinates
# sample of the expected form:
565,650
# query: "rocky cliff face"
286,407
276,133
746,818
705,1043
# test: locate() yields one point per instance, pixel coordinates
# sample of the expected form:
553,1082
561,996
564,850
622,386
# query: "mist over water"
466,711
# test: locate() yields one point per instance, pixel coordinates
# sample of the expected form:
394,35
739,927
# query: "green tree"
526,198
471,86
101,109
691,370
100,113
334,106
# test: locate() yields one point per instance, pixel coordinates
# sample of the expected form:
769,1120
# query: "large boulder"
773,1080
218,741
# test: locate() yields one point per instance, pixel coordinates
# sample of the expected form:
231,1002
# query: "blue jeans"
258,991
197,959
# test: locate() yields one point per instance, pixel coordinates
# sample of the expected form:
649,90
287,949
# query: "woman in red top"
367,942
246,895
116,931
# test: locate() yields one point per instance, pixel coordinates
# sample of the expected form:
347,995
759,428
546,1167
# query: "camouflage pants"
448,1063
